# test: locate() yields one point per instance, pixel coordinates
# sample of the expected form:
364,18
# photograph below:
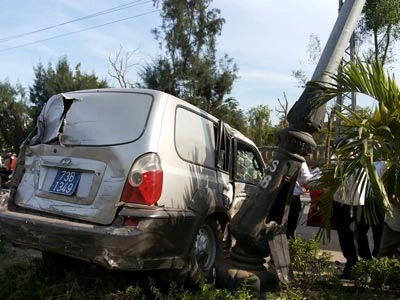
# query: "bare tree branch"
282,111
121,65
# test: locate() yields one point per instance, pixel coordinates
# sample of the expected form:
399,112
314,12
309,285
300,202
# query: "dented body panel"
145,247
67,194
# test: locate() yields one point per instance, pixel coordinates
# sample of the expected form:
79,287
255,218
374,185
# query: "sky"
267,39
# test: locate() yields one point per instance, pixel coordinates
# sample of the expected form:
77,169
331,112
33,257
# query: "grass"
315,278
3,249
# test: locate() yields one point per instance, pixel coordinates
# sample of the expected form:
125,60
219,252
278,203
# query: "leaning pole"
260,257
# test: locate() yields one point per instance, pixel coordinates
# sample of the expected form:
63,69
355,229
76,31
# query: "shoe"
346,273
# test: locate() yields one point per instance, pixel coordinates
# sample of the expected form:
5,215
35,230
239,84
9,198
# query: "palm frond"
356,76
375,136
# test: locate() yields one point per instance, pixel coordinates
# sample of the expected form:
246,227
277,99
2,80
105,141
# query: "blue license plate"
65,182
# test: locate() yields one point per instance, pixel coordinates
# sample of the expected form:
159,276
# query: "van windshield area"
93,118
247,166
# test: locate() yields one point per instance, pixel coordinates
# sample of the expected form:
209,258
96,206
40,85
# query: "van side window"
248,168
195,137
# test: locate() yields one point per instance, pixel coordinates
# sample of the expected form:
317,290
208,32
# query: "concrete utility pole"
343,100
259,227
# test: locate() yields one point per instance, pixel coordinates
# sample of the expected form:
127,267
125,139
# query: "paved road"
306,232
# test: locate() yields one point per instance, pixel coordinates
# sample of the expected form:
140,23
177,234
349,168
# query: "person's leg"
390,242
377,229
293,217
3,175
341,214
362,239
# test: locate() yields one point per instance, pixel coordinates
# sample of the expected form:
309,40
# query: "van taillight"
144,182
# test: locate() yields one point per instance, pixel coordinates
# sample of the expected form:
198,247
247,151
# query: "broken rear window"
96,118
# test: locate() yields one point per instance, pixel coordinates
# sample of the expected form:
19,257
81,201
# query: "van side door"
224,166
247,171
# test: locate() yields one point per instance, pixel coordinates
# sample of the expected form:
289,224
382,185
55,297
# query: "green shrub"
314,279
204,291
35,281
377,273
288,292
307,261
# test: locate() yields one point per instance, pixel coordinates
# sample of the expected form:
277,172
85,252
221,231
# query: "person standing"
390,242
8,167
344,214
362,228
346,202
376,225
391,234
303,177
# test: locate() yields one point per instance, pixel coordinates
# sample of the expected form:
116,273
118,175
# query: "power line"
82,30
103,12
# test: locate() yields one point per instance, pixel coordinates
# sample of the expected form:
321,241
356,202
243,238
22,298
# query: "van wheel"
206,252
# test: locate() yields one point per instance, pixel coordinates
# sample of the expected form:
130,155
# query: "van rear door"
77,163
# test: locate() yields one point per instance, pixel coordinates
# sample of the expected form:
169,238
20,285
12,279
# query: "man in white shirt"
376,225
391,235
345,206
344,214
303,177
390,242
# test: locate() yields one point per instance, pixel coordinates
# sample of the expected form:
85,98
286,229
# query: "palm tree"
373,137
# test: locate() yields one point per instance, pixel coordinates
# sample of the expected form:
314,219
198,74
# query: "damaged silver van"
130,179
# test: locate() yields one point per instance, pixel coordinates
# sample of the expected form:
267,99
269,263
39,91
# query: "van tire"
206,253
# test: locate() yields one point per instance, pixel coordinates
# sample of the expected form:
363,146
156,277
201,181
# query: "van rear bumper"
148,246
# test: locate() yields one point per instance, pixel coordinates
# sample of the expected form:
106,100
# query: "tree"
38,93
259,124
381,22
159,76
121,63
283,112
14,116
374,136
314,52
49,81
230,113
189,68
